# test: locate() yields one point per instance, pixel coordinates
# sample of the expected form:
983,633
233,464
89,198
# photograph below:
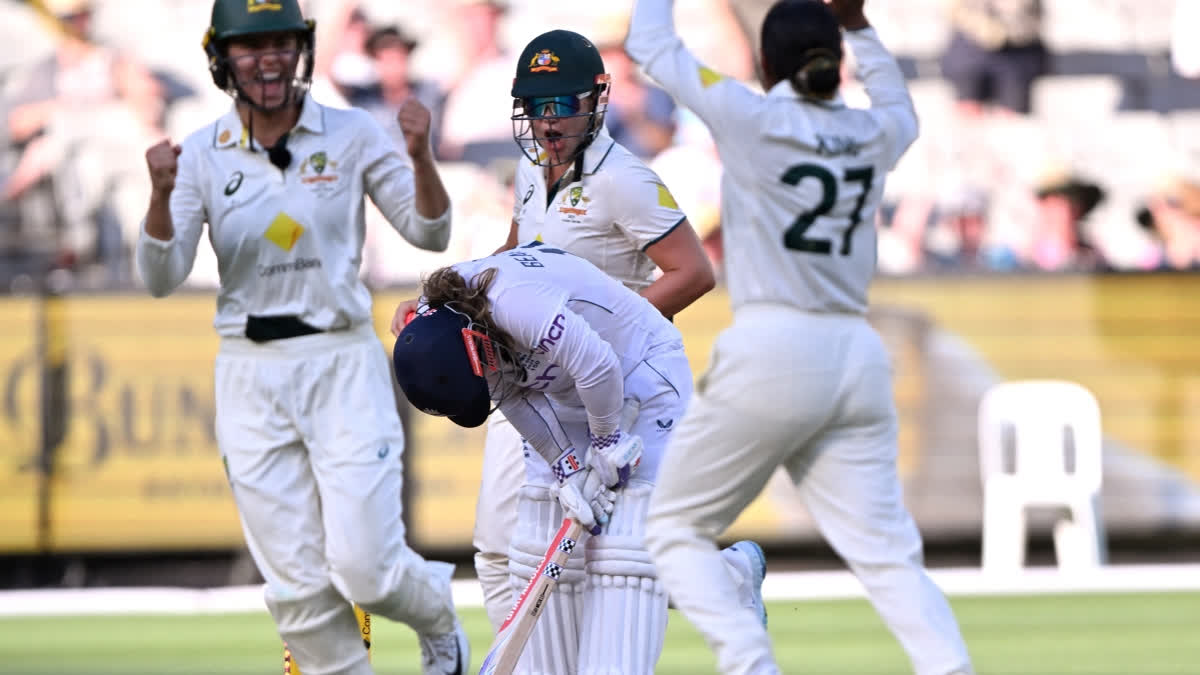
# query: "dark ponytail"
820,75
802,43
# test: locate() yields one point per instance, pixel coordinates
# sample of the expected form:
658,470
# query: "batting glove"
615,457
585,498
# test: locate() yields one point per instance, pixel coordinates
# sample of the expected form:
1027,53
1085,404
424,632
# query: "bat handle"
412,314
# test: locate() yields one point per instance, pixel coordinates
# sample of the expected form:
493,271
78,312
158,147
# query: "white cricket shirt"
618,209
577,331
803,179
287,241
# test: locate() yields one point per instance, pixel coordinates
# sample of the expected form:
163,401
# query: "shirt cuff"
144,238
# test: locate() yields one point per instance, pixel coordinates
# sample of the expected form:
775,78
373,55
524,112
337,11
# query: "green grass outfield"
1117,634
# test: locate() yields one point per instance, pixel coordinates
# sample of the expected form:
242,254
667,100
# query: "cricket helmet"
442,360
556,72
239,18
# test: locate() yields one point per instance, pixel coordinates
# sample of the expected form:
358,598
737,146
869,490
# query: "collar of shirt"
783,89
229,130
595,154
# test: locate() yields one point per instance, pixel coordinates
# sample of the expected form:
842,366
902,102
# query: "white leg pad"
553,646
625,617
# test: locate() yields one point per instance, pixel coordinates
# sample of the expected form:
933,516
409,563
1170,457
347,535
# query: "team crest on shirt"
572,213
544,62
319,173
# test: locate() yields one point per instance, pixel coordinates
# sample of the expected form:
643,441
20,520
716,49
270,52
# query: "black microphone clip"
279,155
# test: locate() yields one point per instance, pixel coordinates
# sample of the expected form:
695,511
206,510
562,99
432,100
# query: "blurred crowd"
1056,135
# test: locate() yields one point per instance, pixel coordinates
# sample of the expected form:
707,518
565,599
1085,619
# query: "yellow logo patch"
544,62
665,199
709,77
284,232
253,6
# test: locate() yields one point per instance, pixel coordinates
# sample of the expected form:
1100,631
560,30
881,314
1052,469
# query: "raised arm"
652,43
880,75
410,193
170,232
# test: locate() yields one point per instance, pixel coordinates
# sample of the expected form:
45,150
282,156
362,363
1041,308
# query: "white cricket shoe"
748,558
445,654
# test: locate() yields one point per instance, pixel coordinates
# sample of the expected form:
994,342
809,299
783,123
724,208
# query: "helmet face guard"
527,111
300,61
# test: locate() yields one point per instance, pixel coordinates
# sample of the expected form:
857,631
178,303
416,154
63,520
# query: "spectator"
389,49
471,133
342,72
1173,218
1060,242
74,117
957,239
995,54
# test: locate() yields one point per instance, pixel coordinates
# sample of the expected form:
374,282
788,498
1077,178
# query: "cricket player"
305,414
800,379
559,347
578,190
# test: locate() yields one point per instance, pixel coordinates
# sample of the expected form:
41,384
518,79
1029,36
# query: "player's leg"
356,445
850,484
553,646
292,667
279,507
749,413
496,515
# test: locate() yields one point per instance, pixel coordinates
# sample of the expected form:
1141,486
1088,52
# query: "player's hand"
415,121
849,13
614,458
584,497
404,313
162,159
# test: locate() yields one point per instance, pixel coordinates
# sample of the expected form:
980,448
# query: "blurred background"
1045,225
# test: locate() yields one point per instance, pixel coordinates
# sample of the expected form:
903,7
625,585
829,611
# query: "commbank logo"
284,231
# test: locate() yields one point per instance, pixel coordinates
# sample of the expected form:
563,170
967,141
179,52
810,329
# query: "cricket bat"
518,625
506,649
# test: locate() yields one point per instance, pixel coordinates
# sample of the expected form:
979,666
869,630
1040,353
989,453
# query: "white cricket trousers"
813,393
312,443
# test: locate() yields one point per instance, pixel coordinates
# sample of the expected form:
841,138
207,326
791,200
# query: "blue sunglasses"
552,106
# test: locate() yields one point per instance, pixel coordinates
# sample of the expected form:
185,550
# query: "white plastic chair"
1040,446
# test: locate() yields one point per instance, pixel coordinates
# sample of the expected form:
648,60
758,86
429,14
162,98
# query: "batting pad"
625,606
553,647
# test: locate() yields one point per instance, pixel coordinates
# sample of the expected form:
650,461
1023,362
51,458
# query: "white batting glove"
585,498
615,457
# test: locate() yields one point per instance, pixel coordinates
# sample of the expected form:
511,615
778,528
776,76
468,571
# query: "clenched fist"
162,159
415,120
849,13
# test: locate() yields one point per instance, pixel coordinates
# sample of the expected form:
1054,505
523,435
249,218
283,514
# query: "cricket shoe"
447,653
748,559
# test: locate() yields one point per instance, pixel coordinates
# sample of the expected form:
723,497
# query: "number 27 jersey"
803,178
